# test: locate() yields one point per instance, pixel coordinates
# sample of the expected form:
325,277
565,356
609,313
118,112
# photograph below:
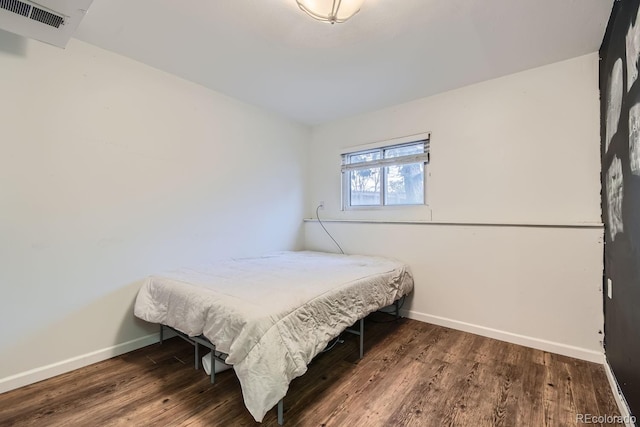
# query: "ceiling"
270,54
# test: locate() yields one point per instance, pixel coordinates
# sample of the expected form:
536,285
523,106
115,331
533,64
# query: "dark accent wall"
620,135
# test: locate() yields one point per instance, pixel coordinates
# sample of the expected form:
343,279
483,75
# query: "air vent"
45,17
33,12
15,6
50,21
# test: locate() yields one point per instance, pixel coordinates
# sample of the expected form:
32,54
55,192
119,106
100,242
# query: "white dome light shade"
330,10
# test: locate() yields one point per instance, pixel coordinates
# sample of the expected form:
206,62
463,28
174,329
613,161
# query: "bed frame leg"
161,333
397,304
281,412
197,353
361,338
213,365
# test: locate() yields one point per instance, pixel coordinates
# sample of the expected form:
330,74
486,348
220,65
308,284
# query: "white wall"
110,171
522,149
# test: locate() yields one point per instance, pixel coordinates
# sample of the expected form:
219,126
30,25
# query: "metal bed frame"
201,340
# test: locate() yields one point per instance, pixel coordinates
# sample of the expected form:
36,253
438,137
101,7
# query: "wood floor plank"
372,378
531,406
417,404
507,399
413,374
452,411
604,397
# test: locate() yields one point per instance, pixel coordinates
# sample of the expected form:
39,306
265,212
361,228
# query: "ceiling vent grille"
32,12
45,17
50,21
16,6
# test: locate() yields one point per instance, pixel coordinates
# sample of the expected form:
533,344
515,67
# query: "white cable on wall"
327,231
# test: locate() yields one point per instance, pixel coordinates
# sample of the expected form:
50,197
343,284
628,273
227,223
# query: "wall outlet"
609,288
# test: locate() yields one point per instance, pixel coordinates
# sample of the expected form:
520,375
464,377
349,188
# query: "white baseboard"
49,371
617,394
537,343
38,374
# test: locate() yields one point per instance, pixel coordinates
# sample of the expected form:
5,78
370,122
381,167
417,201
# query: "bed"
271,315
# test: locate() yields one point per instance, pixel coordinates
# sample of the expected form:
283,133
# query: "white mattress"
274,313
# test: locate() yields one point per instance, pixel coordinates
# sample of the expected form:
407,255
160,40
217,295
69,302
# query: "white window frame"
346,168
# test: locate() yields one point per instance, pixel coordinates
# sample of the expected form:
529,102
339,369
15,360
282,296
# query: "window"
387,176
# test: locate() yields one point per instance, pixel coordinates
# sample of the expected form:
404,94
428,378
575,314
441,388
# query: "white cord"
327,231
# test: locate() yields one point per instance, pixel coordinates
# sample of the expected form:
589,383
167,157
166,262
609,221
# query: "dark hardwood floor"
412,374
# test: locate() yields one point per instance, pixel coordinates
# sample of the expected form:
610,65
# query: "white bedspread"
272,314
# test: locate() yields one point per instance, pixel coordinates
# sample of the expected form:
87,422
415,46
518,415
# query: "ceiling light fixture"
330,10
